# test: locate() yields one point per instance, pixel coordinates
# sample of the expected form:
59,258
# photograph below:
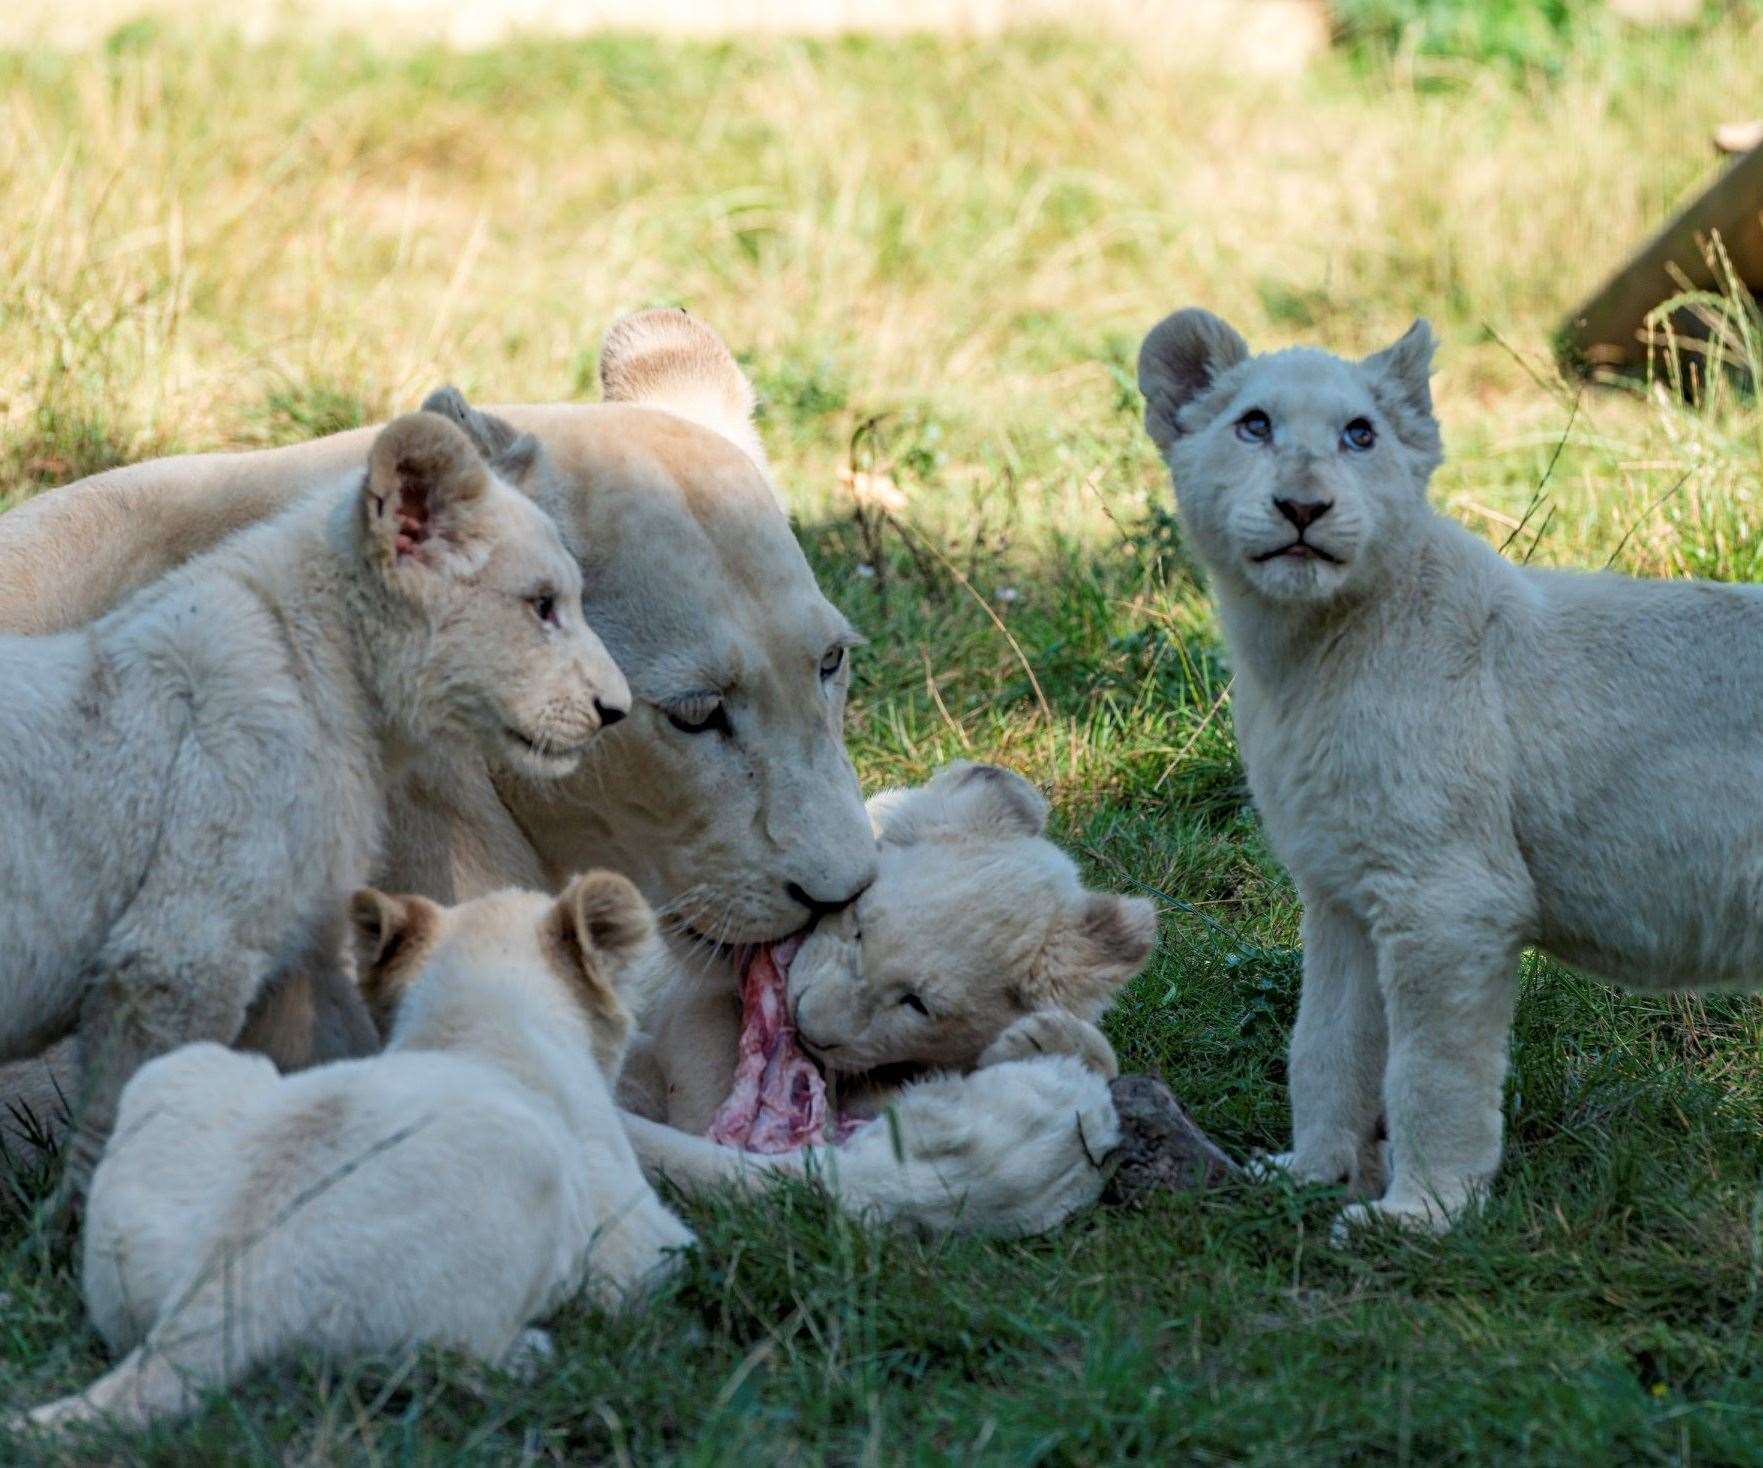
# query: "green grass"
212,244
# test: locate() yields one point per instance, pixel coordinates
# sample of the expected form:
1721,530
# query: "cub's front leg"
148,997
1053,1032
1449,983
1337,1056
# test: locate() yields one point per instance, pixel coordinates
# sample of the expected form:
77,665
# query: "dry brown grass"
200,231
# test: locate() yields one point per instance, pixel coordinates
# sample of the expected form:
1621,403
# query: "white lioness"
1455,756
191,787
726,796
977,949
449,1191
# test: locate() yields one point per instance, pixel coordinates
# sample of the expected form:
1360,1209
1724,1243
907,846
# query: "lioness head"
429,972
498,646
727,794
1298,473
974,920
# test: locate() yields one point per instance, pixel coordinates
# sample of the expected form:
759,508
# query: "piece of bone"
1160,1146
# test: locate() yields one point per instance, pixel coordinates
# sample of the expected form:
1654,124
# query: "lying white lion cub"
450,1191
1454,755
977,949
191,787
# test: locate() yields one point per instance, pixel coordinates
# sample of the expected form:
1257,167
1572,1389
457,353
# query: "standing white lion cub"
191,787
450,1191
1455,756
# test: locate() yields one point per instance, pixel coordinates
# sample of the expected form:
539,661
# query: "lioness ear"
1179,360
1101,945
669,359
510,452
961,799
392,937
1400,377
597,925
423,501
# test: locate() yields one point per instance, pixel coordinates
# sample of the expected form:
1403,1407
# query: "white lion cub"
976,944
959,993
191,787
1454,755
450,1191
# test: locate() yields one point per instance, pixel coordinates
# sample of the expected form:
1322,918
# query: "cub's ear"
1400,377
392,938
424,498
961,799
669,359
1105,941
510,452
596,927
1180,359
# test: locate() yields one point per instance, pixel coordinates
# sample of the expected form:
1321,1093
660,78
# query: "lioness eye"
702,715
832,662
912,1001
1358,435
544,605
1254,427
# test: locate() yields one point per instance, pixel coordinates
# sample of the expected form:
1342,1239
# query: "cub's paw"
1413,1215
1053,1032
1270,1167
529,1354
1361,1168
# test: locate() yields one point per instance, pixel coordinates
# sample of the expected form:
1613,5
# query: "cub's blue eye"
913,1002
1358,435
1254,427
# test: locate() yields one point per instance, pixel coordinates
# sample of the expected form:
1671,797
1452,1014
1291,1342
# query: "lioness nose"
1303,513
610,713
822,906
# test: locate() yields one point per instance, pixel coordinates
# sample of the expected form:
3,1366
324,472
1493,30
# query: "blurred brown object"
1610,328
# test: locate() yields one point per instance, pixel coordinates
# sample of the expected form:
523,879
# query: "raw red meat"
778,1100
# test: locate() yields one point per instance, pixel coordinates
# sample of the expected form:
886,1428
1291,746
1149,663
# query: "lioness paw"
1053,1032
1010,1150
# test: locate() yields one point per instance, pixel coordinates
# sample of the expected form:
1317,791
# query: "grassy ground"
936,262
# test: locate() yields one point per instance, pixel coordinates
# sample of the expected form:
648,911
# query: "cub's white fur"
976,949
449,1191
977,941
1455,756
191,787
